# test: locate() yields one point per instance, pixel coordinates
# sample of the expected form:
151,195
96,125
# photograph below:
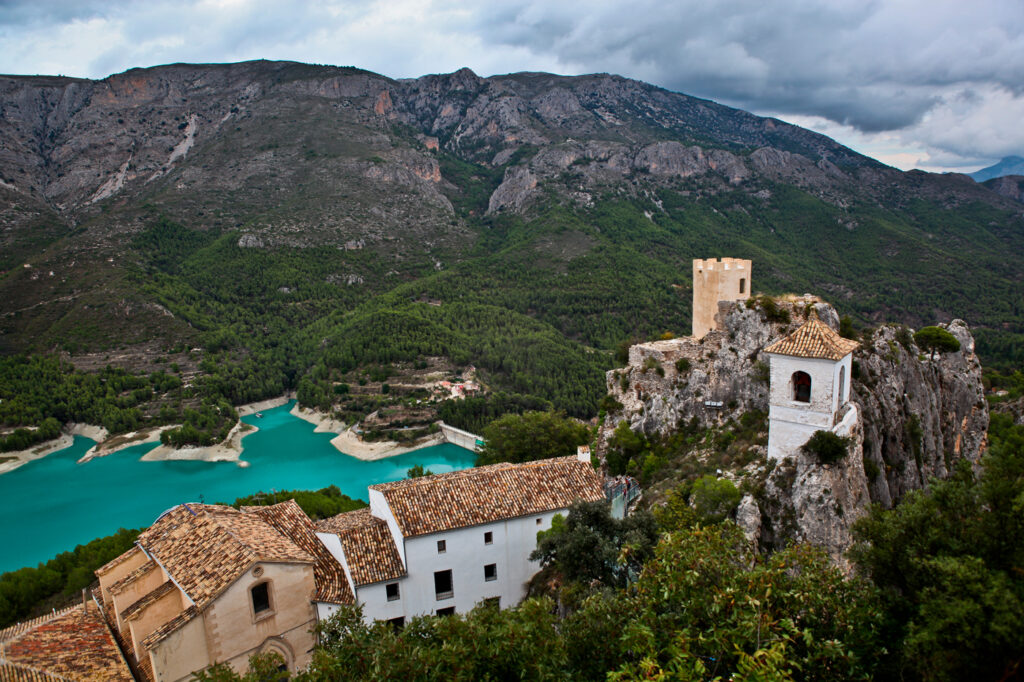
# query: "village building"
441,544
210,584
809,385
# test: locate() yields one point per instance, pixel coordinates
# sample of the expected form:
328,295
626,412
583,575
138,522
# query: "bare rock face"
910,417
807,501
515,190
921,415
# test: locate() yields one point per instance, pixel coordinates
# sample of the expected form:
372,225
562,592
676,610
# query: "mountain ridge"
231,206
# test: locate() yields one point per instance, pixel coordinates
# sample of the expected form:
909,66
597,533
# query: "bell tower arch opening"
801,387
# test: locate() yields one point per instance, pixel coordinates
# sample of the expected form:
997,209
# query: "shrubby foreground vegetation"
938,595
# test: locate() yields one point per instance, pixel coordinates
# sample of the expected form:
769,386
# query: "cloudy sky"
934,84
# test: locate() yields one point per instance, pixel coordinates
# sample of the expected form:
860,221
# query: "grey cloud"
867,64
15,13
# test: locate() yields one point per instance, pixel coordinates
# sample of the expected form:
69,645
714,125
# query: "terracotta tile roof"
73,644
14,673
117,560
368,544
205,548
288,518
120,585
145,668
431,504
136,608
814,339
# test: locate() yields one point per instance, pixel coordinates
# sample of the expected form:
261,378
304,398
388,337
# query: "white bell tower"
809,384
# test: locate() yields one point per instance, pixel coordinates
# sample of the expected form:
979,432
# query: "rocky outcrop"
921,415
518,187
910,417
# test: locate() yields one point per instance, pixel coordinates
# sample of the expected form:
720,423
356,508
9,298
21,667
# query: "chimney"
583,453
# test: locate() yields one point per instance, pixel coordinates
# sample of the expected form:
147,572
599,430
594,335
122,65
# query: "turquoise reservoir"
52,504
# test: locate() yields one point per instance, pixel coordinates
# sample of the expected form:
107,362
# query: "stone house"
207,584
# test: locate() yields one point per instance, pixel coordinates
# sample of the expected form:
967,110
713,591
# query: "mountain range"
301,223
1008,165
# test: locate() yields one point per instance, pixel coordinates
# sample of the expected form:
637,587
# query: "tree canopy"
936,340
530,436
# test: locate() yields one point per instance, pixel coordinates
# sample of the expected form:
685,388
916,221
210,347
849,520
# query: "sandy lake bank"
349,443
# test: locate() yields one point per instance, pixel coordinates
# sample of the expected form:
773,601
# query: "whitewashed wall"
791,422
465,555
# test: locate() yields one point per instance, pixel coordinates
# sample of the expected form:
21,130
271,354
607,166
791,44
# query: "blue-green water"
52,504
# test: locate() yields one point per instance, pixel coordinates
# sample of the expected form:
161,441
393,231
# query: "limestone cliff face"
921,415
909,418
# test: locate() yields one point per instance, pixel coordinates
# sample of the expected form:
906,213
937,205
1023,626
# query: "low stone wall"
464,439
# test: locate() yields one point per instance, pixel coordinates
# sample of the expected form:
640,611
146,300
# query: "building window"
450,611
494,602
802,387
260,598
743,285
538,521
491,572
842,384
443,585
442,547
397,623
392,591
488,538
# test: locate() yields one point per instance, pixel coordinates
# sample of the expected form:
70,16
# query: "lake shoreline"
347,442
229,450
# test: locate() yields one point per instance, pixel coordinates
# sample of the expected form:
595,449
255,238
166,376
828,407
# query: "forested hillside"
271,226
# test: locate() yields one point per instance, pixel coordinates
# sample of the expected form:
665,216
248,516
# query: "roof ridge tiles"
119,585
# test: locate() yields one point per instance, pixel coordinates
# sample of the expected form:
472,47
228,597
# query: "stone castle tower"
716,280
809,385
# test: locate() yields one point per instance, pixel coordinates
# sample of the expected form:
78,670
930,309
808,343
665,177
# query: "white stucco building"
809,385
441,544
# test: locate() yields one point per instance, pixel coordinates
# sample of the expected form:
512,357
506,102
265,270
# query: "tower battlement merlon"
720,264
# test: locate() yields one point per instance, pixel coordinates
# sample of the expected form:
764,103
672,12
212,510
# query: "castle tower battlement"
714,280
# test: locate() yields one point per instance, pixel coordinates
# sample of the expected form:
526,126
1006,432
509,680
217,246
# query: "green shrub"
715,499
871,469
826,447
